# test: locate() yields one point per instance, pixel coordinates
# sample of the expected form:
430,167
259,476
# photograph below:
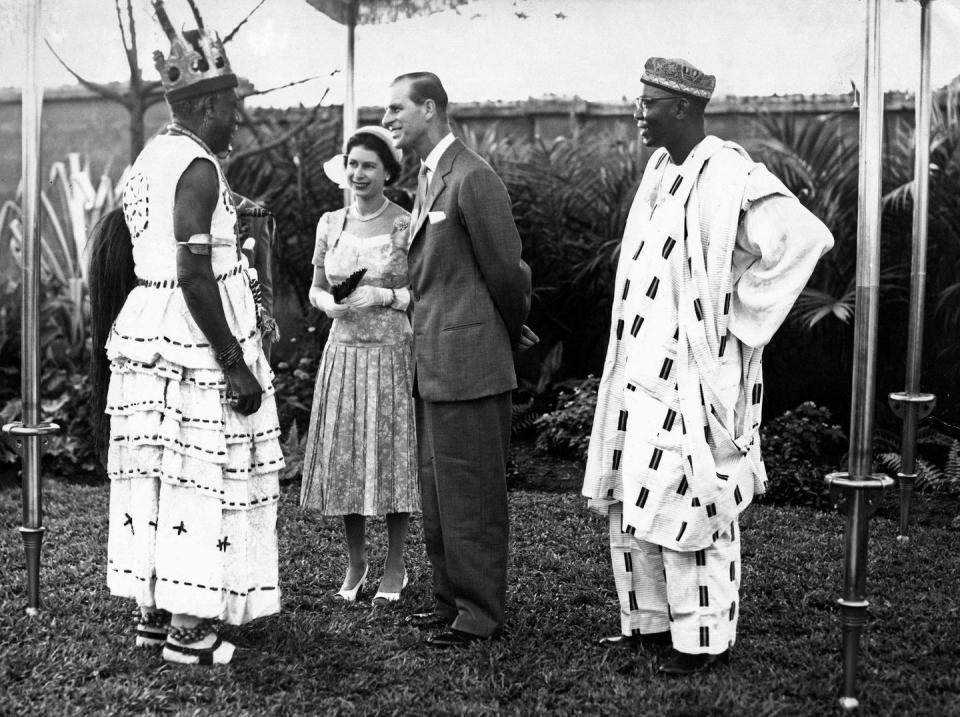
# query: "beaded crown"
678,76
197,64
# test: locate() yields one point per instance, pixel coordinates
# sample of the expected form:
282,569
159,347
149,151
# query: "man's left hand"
527,338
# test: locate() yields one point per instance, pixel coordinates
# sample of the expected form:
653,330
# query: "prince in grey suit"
471,294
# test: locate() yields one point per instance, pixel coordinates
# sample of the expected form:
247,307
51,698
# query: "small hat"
334,167
678,76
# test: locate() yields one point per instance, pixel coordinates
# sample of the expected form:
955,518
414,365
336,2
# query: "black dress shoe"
638,640
454,638
428,620
683,663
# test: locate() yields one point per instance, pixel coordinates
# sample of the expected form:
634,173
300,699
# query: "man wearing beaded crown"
715,251
194,456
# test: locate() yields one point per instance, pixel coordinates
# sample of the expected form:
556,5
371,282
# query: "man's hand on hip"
527,339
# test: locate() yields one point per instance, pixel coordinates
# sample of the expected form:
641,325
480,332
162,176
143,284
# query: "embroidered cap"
677,75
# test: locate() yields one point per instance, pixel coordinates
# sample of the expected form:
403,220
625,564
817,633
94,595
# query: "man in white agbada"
714,254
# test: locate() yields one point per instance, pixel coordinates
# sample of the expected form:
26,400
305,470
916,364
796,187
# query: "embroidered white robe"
714,254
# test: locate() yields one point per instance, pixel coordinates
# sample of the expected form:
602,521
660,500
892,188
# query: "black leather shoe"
638,640
454,638
428,620
683,663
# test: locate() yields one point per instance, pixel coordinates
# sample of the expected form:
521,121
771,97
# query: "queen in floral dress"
360,456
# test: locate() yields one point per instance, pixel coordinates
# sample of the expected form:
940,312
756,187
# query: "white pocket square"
436,217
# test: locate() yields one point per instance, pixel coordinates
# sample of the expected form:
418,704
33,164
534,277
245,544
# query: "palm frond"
813,306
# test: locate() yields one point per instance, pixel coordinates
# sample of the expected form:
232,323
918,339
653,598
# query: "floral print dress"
361,453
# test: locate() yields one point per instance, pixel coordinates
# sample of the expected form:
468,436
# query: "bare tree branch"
133,30
123,33
242,23
129,46
280,87
102,90
284,137
152,92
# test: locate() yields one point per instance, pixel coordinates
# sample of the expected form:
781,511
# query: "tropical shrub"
294,383
565,431
937,463
818,160
70,206
570,200
941,347
801,446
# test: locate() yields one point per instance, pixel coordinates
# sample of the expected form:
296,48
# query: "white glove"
323,300
365,296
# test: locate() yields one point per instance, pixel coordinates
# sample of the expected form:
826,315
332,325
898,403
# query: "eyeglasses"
643,103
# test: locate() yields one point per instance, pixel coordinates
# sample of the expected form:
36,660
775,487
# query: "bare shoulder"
199,181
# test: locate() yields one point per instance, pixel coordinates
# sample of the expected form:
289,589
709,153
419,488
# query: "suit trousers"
463,461
694,595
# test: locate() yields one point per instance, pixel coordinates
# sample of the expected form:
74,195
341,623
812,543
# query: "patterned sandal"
176,649
151,626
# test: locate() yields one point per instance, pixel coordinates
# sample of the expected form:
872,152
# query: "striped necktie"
421,197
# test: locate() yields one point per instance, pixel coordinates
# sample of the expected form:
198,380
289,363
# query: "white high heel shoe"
381,598
353,594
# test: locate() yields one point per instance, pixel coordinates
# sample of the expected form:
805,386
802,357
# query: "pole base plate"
849,703
843,488
922,403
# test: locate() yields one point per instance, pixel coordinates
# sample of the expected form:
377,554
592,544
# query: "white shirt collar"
433,159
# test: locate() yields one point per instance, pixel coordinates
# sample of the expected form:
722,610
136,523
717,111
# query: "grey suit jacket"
471,290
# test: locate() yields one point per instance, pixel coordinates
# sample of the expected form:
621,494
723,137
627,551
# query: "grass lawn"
318,657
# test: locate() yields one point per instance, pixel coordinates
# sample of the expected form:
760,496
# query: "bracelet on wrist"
231,356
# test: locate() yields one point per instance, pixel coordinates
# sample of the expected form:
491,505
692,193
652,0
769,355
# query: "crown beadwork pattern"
197,63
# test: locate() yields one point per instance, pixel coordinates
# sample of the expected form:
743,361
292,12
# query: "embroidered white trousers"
694,595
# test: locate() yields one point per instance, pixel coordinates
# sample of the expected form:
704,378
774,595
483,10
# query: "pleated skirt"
361,451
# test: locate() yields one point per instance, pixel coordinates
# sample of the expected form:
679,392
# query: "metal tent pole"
349,98
858,490
29,430
910,405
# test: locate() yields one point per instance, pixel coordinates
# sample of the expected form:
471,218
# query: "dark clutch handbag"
342,290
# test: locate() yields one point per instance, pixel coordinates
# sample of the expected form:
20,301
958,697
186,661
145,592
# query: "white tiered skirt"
194,484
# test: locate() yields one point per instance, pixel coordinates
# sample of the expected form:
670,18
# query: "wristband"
231,356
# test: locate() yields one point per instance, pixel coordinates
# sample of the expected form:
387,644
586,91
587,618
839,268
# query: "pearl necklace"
372,216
